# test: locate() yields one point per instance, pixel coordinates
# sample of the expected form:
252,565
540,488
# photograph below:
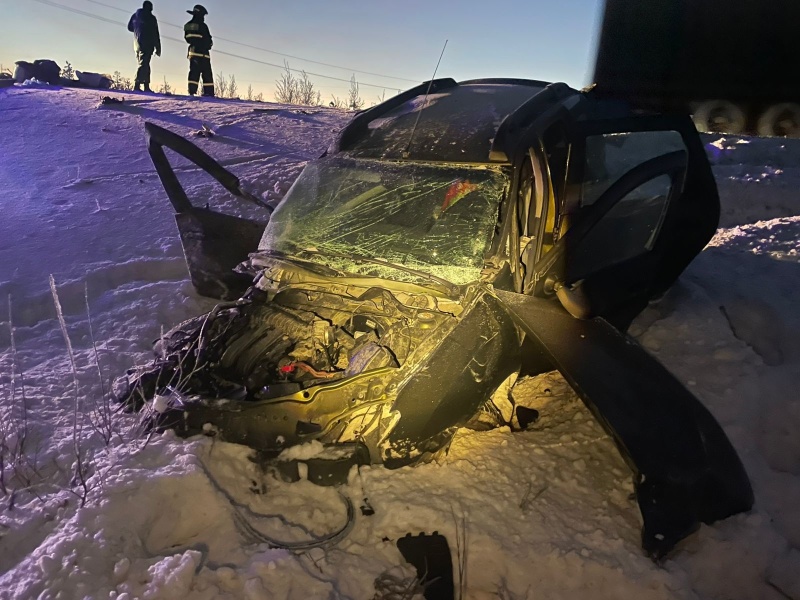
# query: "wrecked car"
449,238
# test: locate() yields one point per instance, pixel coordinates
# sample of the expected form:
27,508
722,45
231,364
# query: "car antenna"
419,114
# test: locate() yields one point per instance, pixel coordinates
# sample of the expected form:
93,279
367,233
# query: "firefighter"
144,26
196,34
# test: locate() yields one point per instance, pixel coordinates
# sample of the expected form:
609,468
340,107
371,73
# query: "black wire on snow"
248,529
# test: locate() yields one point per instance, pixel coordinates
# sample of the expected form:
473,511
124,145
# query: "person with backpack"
196,34
146,40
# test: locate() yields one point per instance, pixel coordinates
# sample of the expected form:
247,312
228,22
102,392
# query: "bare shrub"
118,82
305,91
233,90
252,96
67,72
461,554
354,101
80,475
165,88
286,87
19,470
101,415
222,86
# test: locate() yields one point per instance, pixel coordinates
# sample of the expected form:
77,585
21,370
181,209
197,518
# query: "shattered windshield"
439,220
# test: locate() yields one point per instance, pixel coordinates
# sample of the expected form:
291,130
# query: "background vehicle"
448,236
731,63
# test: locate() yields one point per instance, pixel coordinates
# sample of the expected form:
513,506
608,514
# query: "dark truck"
732,64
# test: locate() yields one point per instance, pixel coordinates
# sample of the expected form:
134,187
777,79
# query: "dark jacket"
196,34
144,26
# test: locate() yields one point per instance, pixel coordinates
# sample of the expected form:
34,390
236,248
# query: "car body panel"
686,470
459,375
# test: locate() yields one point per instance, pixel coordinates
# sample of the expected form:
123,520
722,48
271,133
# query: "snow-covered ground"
547,513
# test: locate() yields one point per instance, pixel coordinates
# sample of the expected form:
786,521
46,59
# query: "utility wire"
316,62
255,60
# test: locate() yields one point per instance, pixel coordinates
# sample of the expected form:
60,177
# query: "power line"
247,58
316,62
80,12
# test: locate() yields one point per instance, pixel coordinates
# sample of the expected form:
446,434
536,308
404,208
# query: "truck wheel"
719,116
780,120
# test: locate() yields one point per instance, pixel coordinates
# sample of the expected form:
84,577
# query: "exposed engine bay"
312,364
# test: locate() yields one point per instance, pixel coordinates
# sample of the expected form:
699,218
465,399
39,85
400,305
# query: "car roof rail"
505,81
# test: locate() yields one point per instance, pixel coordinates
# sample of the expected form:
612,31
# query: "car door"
638,203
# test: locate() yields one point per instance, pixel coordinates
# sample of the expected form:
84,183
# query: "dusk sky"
387,45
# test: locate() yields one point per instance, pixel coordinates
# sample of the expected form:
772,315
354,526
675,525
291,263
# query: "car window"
629,229
609,156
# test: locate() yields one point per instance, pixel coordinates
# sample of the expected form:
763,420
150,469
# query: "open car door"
639,203
213,242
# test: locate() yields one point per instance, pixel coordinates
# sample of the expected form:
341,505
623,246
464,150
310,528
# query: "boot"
147,87
137,87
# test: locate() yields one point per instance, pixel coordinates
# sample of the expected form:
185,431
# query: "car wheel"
780,120
719,116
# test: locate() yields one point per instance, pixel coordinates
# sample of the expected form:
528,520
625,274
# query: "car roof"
453,122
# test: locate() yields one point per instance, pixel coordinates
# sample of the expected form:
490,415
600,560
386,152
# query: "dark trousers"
200,65
143,72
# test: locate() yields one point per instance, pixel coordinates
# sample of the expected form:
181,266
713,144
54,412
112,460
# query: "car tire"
719,116
780,120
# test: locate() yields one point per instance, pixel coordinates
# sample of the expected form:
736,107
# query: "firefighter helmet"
198,9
